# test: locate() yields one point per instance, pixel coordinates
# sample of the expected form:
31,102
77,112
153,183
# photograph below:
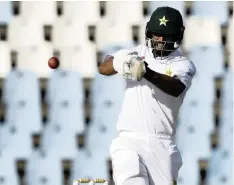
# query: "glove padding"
129,65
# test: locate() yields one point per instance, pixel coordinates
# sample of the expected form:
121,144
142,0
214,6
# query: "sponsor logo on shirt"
168,72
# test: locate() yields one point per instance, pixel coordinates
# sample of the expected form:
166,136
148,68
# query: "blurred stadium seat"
220,169
203,88
204,57
8,174
188,173
81,58
78,11
230,38
226,118
34,58
58,142
5,12
5,64
89,165
65,99
218,10
201,31
42,13
69,33
44,170
18,145
116,33
142,30
179,5
114,8
21,95
106,103
23,32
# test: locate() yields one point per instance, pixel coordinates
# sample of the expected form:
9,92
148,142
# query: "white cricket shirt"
148,110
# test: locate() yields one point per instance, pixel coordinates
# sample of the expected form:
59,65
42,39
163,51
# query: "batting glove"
129,65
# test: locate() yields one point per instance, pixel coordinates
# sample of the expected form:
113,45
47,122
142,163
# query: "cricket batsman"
157,77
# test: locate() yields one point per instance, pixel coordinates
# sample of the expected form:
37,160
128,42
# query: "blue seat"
209,61
17,143
189,172
195,123
226,91
65,85
44,170
179,5
21,94
65,98
58,141
8,172
21,84
220,170
107,96
5,11
226,117
218,9
85,166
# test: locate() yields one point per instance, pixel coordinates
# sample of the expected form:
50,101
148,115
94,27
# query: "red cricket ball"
53,62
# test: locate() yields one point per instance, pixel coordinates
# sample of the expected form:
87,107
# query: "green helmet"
168,23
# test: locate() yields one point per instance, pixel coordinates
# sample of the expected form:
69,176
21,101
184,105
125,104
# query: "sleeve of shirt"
185,71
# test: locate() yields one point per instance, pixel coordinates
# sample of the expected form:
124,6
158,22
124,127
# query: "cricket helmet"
165,22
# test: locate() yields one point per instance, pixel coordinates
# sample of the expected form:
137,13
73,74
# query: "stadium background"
56,126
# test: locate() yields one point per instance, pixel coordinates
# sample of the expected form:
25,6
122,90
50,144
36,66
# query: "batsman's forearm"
106,68
167,84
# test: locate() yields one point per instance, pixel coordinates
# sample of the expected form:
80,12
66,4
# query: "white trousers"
144,160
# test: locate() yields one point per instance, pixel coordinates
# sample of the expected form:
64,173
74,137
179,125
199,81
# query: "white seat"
35,9
5,64
8,173
78,11
116,33
59,142
218,10
201,32
65,33
179,5
30,33
5,12
44,170
142,30
35,58
82,59
113,9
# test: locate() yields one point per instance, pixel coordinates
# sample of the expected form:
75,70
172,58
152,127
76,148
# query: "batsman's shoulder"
189,67
139,48
182,63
